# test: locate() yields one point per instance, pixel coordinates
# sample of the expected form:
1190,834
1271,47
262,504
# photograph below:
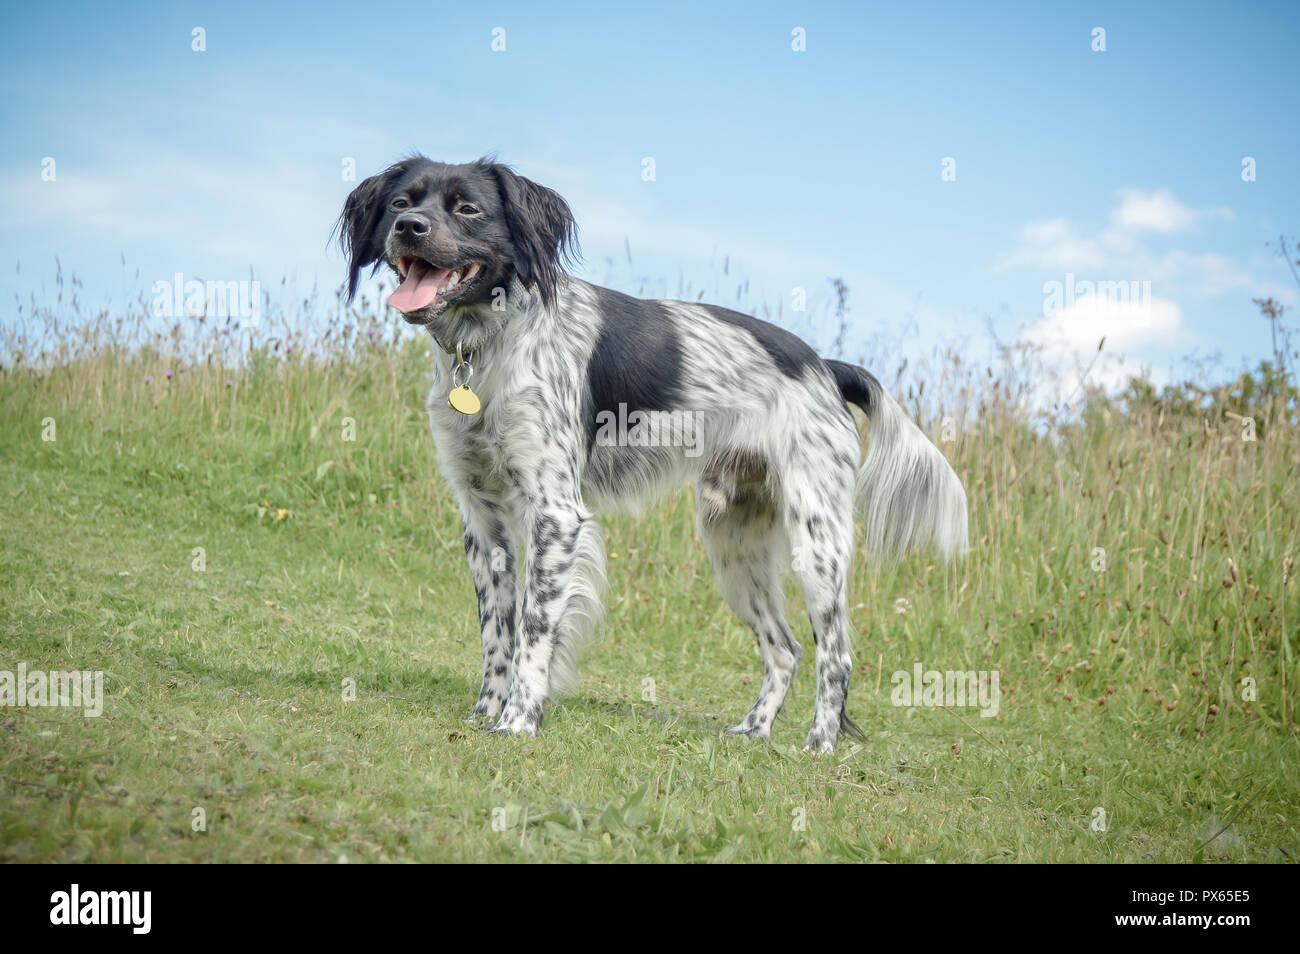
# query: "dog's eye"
467,209
401,204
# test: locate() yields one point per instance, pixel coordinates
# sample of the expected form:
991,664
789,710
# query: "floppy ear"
541,228
358,224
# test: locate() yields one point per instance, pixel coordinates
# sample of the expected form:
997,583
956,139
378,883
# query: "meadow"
245,531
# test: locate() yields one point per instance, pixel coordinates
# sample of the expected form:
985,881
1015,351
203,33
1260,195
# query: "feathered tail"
910,496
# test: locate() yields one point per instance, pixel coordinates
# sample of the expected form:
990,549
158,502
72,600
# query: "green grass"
330,560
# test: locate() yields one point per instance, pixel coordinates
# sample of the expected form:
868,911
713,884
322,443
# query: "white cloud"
1124,324
1069,341
1152,212
201,216
1130,251
1201,273
1057,244
1053,243
91,203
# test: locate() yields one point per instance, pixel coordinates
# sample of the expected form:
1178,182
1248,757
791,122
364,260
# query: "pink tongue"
419,288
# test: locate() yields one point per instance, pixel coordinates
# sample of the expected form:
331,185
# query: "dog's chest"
521,425
475,438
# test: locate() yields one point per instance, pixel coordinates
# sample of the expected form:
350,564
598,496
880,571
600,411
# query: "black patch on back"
637,360
790,353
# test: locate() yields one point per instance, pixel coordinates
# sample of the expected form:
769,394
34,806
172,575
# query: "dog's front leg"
565,563
490,551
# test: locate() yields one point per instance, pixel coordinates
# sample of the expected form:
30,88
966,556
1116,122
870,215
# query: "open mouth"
426,285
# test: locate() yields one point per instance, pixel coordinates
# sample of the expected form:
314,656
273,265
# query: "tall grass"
1130,551
1130,578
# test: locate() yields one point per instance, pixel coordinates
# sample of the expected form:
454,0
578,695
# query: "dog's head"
454,233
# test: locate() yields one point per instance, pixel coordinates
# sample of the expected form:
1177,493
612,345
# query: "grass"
328,563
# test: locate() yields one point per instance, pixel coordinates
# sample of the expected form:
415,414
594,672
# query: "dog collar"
461,399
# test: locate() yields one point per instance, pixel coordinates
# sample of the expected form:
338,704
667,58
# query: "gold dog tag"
464,400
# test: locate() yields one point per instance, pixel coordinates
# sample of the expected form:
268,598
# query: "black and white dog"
538,376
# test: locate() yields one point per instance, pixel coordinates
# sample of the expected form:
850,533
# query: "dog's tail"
909,495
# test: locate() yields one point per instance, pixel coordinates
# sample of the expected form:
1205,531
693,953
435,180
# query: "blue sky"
1122,165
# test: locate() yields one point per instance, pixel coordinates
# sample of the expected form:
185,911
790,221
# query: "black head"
454,233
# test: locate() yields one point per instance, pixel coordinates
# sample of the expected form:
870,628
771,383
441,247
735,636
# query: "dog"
537,375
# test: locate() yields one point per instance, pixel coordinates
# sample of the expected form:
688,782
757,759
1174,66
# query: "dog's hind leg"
817,492
742,532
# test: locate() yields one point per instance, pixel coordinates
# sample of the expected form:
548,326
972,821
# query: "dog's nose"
412,223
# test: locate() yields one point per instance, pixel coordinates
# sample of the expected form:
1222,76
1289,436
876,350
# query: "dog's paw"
486,711
751,731
517,722
819,744
514,728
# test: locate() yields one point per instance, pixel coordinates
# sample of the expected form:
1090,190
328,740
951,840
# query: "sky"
947,161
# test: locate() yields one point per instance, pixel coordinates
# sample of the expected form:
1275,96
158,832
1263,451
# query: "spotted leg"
819,526
746,545
490,551
565,562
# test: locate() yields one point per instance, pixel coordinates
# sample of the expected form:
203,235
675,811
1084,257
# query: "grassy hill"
202,529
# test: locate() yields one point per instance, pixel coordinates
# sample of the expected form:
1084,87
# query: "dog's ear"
541,228
358,225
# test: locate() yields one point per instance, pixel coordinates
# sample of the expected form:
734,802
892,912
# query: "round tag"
464,400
